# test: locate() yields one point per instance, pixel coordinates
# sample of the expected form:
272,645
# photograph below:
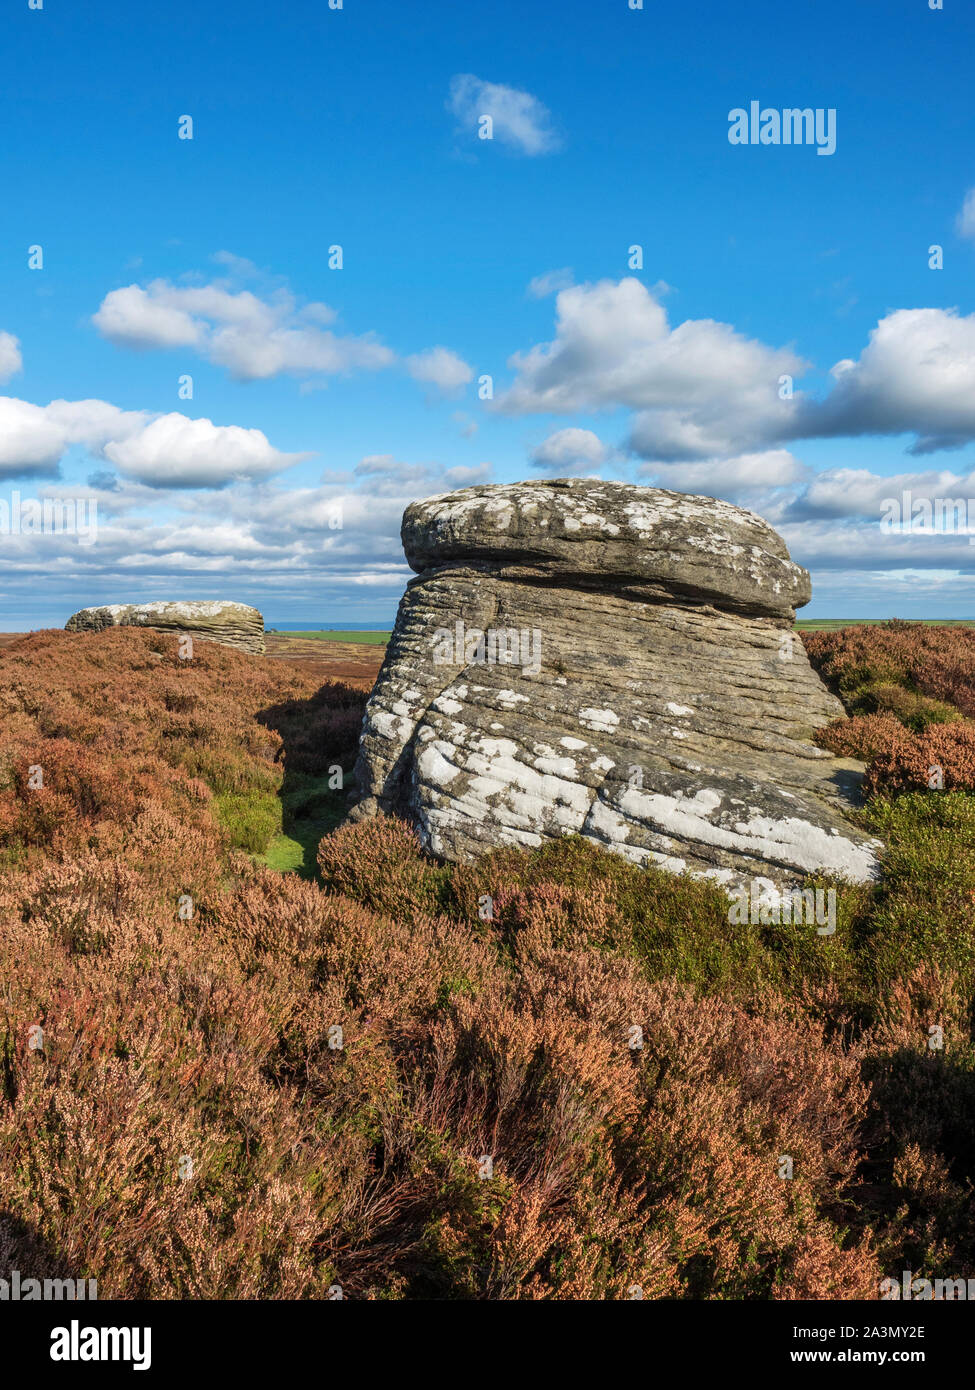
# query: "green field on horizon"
377,639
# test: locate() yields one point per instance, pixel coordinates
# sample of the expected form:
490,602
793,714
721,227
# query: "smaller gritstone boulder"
211,620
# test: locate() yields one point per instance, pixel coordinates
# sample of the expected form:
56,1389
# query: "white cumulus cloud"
700,389
160,451
857,492
34,438
256,338
570,451
519,119
175,451
915,376
253,338
703,391
138,318
441,368
729,477
10,359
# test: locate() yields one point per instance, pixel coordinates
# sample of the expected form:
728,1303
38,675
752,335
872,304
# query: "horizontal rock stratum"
212,620
614,661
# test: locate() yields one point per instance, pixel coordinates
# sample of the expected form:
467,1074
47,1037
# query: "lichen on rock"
614,661
212,620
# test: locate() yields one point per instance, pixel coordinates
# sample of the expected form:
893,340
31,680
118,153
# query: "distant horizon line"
328,625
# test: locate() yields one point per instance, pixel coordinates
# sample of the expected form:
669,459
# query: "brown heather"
910,688
211,1038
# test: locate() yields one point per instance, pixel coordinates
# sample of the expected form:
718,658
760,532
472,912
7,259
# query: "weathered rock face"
216,620
613,661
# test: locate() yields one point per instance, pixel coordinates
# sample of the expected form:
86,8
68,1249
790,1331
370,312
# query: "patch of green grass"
310,808
285,855
369,639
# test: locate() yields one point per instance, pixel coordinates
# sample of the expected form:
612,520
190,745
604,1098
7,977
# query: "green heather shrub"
924,909
914,710
251,819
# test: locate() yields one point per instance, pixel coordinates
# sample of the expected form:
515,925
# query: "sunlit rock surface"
614,661
212,620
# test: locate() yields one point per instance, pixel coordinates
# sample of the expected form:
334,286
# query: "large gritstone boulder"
211,620
613,661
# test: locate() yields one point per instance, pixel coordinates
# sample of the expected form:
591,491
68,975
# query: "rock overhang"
587,532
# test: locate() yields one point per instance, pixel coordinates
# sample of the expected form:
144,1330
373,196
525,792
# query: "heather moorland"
249,1052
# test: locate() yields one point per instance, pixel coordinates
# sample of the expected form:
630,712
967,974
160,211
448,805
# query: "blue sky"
325,399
